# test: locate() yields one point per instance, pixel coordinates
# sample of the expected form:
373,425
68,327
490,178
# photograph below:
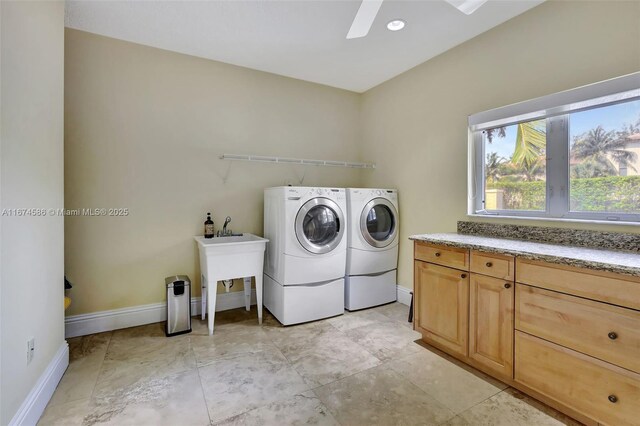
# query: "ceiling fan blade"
466,6
364,18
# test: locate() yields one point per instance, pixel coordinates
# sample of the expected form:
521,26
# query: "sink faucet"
224,227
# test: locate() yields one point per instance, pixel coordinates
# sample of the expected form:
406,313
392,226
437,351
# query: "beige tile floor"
361,368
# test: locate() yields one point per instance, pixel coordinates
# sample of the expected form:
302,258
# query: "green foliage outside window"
602,194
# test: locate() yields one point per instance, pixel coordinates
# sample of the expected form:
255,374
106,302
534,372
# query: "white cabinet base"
295,304
365,291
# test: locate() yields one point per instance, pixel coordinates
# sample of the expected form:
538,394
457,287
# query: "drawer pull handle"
489,264
463,276
507,285
613,398
613,335
437,254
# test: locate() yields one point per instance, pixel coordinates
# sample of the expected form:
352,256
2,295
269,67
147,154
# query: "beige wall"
31,165
415,125
143,130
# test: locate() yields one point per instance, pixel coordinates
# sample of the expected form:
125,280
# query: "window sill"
555,219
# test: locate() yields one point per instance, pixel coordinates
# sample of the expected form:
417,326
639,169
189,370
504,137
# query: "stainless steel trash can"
178,305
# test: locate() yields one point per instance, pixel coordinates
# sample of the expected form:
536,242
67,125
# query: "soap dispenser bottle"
208,227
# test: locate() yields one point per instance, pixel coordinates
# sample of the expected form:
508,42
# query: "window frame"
556,109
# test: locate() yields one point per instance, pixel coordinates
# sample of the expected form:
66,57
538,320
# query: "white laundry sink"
225,258
223,243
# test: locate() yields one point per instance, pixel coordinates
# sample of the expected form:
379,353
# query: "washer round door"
379,223
319,225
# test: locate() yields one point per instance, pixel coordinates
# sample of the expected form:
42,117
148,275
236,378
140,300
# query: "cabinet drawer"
493,265
446,256
603,331
617,289
601,391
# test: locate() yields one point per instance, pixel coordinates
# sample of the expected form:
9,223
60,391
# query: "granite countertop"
622,262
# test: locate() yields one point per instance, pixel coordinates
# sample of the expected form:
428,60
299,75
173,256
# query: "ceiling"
303,39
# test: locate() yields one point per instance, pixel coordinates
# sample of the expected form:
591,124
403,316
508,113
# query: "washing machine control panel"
338,193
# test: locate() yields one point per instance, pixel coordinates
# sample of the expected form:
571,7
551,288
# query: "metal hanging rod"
306,162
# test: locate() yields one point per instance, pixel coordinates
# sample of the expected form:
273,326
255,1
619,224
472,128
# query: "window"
572,155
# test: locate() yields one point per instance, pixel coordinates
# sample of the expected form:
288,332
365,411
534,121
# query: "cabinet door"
491,324
442,306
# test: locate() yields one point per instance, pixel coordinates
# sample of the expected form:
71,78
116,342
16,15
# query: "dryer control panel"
366,193
298,192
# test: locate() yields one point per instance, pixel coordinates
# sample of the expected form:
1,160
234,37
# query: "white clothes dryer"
372,252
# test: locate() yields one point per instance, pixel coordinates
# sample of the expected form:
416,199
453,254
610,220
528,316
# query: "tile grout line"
393,321
93,390
475,405
400,376
197,368
287,361
337,380
346,377
293,367
327,407
95,385
90,397
204,397
488,398
344,333
353,374
443,404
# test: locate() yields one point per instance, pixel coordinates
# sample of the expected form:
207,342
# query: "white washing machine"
306,254
372,253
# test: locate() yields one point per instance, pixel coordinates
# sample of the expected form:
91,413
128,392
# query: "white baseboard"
98,322
226,301
36,401
404,295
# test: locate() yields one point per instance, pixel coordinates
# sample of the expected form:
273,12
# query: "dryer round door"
379,222
319,225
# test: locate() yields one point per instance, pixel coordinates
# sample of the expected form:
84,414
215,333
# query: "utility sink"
226,258
230,239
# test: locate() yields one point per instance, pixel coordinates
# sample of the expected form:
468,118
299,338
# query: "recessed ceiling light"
395,25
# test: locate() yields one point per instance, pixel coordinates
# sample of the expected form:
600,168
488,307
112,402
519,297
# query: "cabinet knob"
463,276
613,335
489,264
507,285
437,254
613,398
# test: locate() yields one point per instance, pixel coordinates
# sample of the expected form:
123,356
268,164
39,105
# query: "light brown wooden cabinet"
466,314
441,314
491,302
565,335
